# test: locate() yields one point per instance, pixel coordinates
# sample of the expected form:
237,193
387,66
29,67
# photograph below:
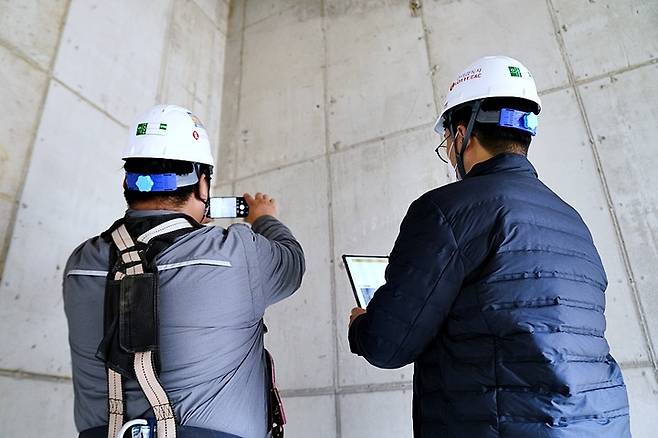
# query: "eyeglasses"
442,150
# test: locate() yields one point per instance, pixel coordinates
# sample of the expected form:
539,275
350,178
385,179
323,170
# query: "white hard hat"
170,132
491,76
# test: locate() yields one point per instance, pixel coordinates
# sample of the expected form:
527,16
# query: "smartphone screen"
228,207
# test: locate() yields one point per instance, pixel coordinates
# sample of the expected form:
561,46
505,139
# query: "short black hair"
151,166
494,138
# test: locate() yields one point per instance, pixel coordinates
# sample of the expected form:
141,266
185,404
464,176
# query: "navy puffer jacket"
496,292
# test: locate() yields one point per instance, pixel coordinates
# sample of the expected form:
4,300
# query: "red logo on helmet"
466,76
195,135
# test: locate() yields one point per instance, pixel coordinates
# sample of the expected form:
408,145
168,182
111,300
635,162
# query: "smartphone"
228,207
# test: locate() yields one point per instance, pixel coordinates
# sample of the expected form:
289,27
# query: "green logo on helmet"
515,72
141,129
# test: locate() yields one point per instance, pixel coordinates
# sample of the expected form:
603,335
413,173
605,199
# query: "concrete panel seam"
595,78
308,392
606,189
89,102
231,9
11,223
22,55
281,12
635,365
349,389
548,91
617,72
430,63
281,167
390,136
165,58
330,221
394,386
212,21
343,149
376,387
238,104
27,375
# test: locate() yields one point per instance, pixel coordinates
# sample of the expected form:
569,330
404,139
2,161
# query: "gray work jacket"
215,285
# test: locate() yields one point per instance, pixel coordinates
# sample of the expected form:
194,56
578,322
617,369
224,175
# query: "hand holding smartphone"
248,207
228,207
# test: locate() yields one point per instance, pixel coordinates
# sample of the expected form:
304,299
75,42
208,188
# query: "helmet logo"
515,72
467,76
195,135
154,129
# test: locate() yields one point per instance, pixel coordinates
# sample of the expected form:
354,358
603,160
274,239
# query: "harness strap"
163,228
143,361
156,395
116,403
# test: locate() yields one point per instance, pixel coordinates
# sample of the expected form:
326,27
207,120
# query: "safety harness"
130,343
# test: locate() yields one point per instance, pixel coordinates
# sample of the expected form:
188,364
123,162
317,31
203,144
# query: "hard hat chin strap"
197,191
459,153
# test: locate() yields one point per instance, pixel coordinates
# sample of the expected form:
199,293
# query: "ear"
125,183
204,187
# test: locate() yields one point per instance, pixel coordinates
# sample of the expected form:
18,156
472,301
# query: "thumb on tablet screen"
356,312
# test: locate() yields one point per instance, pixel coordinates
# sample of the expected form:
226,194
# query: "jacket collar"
145,213
139,221
503,163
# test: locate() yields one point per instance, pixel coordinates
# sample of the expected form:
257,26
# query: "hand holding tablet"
366,274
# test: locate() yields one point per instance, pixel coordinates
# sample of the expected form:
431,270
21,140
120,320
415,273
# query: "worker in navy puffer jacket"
494,288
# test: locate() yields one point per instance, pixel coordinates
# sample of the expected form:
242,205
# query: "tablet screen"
366,275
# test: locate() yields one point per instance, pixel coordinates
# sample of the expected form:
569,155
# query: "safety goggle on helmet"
491,77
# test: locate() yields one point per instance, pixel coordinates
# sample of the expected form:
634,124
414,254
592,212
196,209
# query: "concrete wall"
328,106
73,75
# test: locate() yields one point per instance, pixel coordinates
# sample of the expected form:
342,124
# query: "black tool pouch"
138,313
131,319
110,350
276,415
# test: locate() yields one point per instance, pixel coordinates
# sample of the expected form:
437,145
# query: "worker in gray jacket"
165,314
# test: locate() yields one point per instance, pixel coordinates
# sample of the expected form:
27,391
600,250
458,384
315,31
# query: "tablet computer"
366,274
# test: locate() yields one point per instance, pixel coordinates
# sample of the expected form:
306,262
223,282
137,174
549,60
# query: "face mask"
454,175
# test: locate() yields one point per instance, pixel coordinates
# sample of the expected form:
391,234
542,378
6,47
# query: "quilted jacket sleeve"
423,278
